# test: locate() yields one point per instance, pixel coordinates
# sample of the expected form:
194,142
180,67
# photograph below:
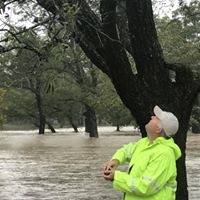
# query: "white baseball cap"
169,121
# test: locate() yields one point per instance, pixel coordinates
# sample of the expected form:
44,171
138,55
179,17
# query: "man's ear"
159,128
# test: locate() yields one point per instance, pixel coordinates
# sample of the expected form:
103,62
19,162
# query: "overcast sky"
162,8
165,7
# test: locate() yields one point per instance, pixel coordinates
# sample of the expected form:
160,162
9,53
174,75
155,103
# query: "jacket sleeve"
151,181
124,153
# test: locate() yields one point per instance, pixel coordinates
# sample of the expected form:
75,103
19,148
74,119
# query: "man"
152,162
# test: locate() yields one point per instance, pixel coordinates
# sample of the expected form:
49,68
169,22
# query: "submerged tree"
126,28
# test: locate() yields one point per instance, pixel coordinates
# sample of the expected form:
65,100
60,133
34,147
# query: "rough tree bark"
99,39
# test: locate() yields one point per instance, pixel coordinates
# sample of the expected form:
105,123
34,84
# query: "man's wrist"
116,162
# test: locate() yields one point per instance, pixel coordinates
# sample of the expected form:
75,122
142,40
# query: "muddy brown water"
69,166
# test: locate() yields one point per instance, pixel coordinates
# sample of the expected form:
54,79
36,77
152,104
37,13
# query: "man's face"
153,125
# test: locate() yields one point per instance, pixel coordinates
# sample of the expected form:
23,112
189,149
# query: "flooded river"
69,166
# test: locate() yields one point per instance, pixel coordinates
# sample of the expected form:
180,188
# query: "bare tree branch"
24,30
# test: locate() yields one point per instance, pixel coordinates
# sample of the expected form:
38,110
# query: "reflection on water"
69,167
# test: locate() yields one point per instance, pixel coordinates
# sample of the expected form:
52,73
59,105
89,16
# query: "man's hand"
111,164
109,169
109,175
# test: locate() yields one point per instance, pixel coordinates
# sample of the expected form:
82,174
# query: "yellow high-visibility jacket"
152,169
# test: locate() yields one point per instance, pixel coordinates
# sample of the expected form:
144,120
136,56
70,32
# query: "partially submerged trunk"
41,124
90,121
50,126
41,116
73,124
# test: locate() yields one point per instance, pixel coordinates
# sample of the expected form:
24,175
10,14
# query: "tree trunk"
41,124
90,121
74,126
42,118
186,103
118,128
51,127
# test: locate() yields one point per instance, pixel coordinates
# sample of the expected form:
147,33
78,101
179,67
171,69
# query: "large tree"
126,27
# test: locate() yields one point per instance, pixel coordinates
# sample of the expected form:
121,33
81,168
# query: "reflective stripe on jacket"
152,169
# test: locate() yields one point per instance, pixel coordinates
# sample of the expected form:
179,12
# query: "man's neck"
152,137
